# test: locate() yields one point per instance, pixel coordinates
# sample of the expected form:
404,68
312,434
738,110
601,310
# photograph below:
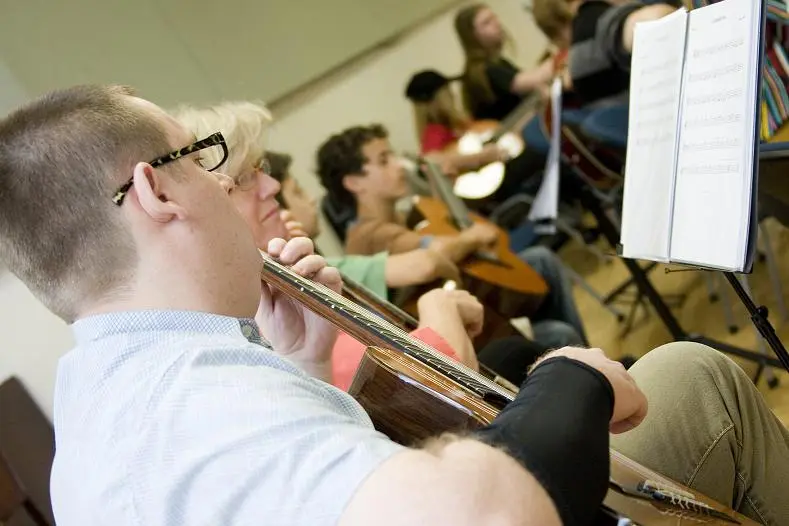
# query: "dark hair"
475,89
342,155
279,166
62,157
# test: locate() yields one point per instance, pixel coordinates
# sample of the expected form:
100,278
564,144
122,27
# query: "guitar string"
398,336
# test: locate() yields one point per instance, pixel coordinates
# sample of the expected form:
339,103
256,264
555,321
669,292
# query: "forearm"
446,322
474,161
527,81
319,370
455,248
568,451
416,267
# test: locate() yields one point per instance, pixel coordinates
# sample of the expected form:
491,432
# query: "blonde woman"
448,319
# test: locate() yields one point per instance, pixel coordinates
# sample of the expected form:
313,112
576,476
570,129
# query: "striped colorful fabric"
775,99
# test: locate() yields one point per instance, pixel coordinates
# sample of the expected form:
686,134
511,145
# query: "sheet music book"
692,138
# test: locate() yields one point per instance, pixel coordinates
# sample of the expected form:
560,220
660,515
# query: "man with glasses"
170,410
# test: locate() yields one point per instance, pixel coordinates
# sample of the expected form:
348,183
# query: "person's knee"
542,259
684,360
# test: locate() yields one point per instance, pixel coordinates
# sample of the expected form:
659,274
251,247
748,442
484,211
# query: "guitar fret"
393,335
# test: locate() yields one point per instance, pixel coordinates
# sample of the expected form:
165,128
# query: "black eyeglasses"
215,140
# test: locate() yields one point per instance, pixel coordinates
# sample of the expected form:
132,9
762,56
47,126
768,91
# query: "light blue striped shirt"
185,418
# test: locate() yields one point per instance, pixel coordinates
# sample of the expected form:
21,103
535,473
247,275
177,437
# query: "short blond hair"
553,16
245,126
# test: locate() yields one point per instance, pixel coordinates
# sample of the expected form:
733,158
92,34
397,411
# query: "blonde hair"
553,16
245,126
440,110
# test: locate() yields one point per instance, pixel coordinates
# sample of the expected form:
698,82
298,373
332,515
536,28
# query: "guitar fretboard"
379,330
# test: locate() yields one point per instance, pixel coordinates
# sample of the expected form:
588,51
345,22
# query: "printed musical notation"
706,121
714,144
716,73
711,169
714,49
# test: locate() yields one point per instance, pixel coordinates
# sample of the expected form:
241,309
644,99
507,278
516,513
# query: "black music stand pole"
759,318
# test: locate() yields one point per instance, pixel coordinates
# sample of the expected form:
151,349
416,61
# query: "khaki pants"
710,429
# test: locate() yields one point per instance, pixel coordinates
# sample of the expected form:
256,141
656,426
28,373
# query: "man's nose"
226,182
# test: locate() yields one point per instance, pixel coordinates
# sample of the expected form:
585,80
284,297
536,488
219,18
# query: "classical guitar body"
484,182
409,402
509,286
399,394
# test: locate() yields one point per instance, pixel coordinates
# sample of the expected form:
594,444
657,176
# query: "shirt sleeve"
347,354
435,138
501,77
250,445
370,271
434,340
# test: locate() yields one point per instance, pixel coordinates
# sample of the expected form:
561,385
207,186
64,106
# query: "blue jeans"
557,322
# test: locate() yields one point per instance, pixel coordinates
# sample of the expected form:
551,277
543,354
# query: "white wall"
371,90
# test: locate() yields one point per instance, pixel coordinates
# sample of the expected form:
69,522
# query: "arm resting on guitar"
455,248
529,80
568,451
467,162
447,323
417,267
451,481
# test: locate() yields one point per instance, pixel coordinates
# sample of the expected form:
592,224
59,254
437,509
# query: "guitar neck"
457,208
528,105
358,293
372,330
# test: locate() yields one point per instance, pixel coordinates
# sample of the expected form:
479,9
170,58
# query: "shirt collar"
104,325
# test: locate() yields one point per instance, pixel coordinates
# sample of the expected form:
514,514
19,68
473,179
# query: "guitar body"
510,287
409,402
485,181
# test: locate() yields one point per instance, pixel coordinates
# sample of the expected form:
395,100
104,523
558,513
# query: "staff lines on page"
714,144
721,96
710,169
715,120
716,73
719,48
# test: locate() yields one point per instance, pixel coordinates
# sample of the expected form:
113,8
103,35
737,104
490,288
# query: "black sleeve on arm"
500,77
557,428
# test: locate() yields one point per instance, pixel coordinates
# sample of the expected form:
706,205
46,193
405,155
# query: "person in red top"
440,123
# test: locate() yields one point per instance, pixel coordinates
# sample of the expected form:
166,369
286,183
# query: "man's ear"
353,183
149,187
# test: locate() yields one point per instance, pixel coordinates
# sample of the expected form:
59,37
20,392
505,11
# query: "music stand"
758,314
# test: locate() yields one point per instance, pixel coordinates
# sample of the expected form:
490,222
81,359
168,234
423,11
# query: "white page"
546,202
655,83
715,162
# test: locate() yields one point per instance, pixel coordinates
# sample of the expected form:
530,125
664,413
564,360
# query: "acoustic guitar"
484,182
412,392
358,293
497,276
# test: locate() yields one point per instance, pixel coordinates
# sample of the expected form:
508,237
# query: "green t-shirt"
370,271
